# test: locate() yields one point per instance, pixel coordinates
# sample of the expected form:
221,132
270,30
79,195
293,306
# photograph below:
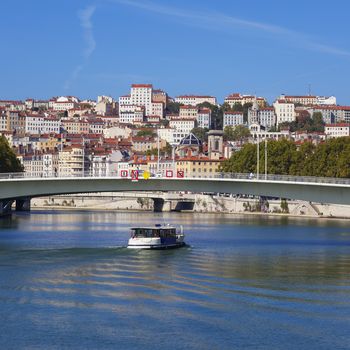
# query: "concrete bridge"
19,188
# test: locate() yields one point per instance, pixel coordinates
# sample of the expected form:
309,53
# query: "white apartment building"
232,119
51,125
171,135
38,124
204,118
64,103
324,100
34,123
130,114
184,125
267,117
285,111
308,100
337,130
141,95
50,164
195,100
332,114
3,122
96,127
33,165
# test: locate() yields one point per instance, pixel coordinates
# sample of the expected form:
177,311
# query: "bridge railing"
218,175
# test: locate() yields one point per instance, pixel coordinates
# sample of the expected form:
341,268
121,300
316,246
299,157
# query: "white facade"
183,125
3,122
285,111
141,96
337,130
194,100
267,117
34,124
171,135
50,164
130,114
204,118
232,119
323,100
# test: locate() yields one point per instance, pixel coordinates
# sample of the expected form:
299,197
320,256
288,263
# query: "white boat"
156,237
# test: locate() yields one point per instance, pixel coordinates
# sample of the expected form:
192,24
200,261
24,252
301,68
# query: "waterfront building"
198,166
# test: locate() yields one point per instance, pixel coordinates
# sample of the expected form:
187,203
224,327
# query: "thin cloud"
85,16
225,22
85,21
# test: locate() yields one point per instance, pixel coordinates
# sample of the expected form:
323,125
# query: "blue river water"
68,282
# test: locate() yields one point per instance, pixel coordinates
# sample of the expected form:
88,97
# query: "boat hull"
156,246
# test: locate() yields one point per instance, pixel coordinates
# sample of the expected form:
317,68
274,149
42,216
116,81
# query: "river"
244,282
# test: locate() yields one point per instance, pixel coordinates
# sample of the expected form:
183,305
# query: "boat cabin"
145,232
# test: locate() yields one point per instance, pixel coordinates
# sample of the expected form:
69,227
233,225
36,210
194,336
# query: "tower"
215,144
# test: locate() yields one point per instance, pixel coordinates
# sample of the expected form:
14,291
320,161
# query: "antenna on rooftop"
309,89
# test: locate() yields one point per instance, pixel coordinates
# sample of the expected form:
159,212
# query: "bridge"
20,188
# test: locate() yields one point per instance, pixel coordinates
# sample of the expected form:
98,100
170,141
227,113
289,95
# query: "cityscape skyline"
90,48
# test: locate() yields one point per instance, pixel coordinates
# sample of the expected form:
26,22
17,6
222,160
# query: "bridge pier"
160,205
5,207
23,204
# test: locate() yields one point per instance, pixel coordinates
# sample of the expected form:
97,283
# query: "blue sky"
87,48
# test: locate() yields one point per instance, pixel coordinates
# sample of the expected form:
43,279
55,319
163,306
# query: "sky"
87,48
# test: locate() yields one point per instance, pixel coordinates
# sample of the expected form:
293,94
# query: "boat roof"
155,227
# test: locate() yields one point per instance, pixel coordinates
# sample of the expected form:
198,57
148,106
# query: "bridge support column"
161,205
23,204
5,207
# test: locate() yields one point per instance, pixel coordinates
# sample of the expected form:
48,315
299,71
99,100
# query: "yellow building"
198,166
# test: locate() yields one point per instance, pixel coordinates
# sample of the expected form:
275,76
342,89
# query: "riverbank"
202,204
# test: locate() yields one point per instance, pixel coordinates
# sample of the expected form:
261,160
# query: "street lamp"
257,158
265,157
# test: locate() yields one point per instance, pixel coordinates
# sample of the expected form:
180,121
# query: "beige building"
198,166
72,161
236,98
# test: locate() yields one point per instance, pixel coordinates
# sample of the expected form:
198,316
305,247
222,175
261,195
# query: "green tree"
8,160
172,108
237,133
146,132
201,133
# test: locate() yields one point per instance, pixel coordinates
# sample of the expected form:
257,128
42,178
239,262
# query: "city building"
195,100
337,130
232,119
204,118
237,98
285,111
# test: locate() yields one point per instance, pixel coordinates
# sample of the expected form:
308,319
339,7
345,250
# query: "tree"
146,132
172,108
246,107
8,160
201,133
237,133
